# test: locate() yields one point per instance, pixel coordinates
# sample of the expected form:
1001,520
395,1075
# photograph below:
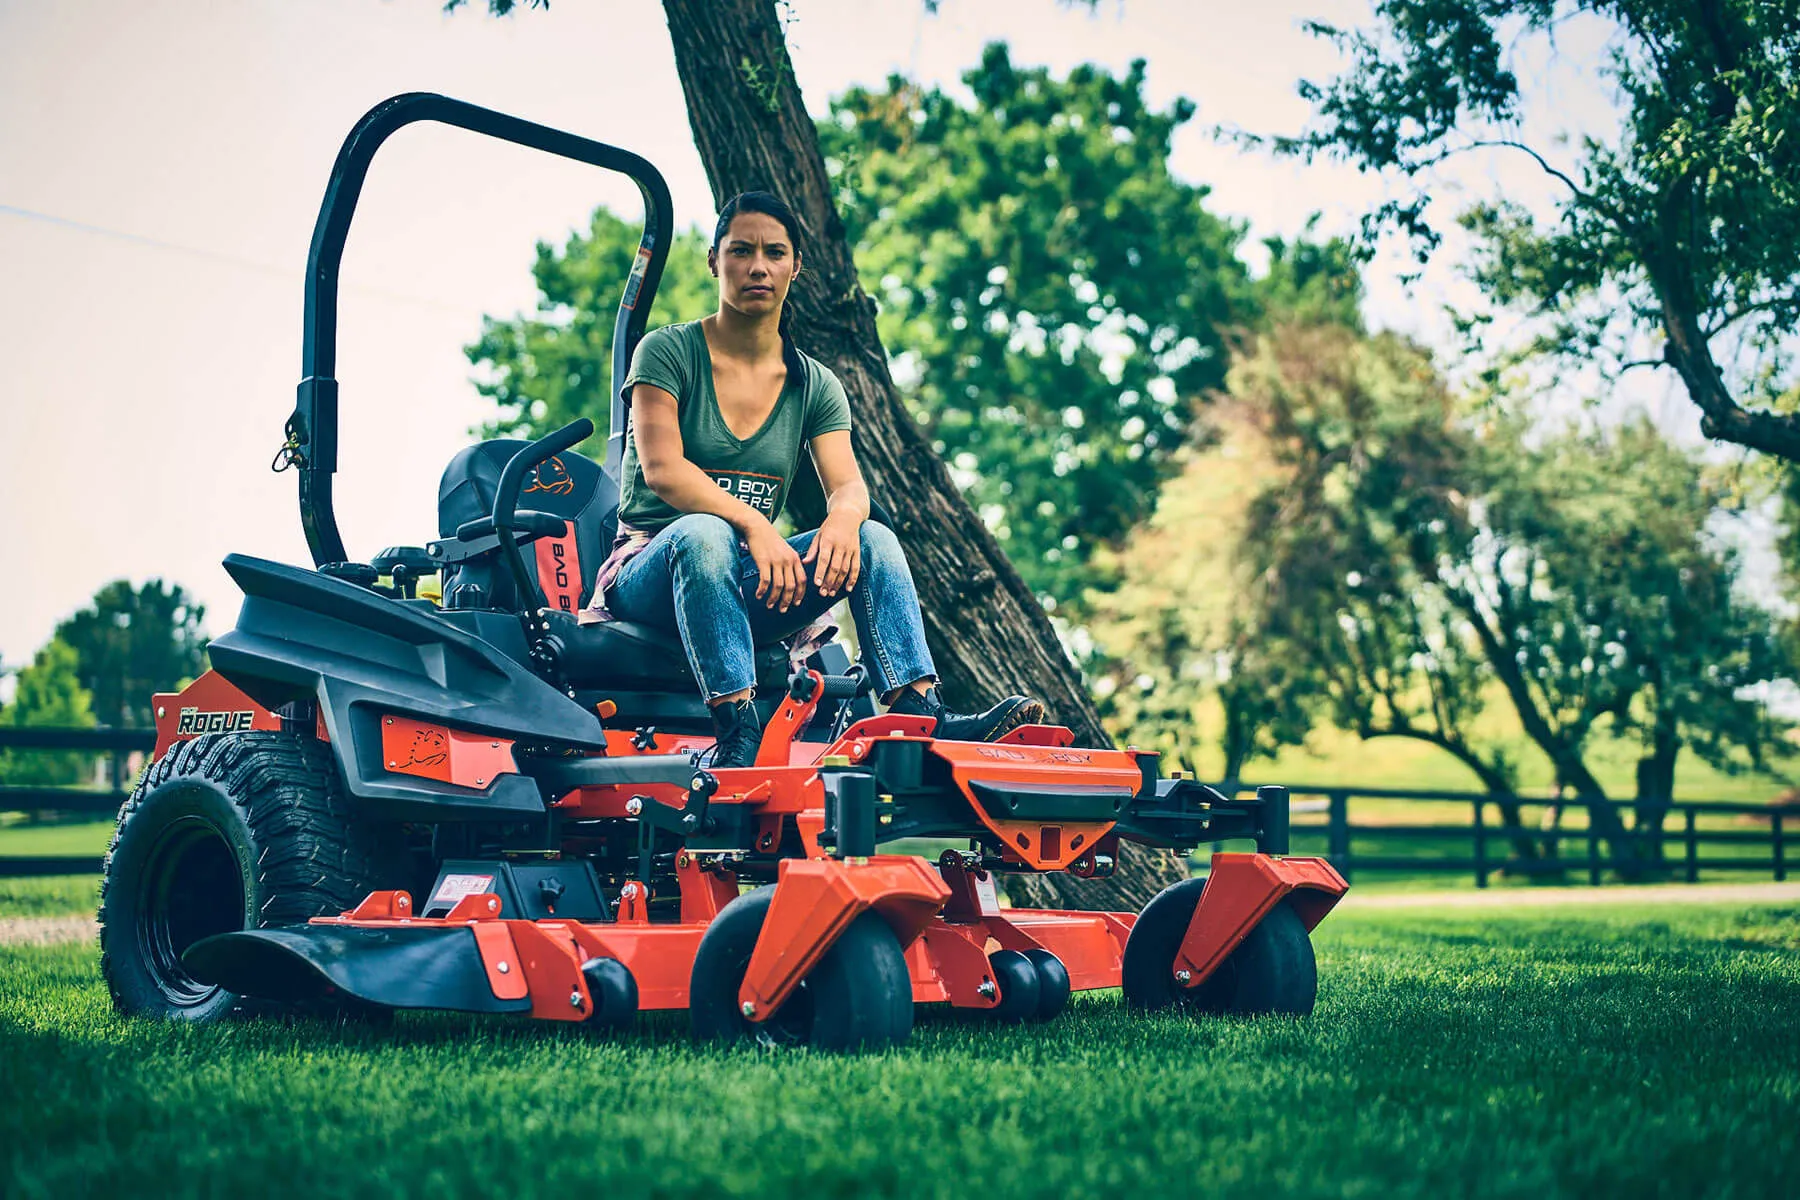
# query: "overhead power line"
229,260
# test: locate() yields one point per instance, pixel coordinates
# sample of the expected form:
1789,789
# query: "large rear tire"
228,832
858,997
1271,971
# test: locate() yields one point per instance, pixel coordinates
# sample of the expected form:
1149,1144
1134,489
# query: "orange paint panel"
500,959
552,963
476,906
958,961
703,892
1240,891
378,906
455,756
999,762
620,741
1038,735
776,747
815,901
1083,941
559,570
210,704
659,957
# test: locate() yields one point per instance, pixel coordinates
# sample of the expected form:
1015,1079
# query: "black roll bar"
312,430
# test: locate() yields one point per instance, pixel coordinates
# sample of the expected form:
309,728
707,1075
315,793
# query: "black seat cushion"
631,656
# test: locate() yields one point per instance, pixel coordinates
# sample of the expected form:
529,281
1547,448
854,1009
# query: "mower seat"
625,655
567,486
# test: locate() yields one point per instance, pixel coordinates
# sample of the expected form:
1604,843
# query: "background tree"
48,693
1685,225
1618,522
1398,562
131,642
1172,629
1056,298
552,366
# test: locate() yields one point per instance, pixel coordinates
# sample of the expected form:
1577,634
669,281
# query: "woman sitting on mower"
720,410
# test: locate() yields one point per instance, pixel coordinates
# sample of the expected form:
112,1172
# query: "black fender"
303,635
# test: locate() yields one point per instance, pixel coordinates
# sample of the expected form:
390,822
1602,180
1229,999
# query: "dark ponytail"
770,205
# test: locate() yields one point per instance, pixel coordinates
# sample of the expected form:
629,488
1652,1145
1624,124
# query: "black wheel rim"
1213,995
192,889
791,1024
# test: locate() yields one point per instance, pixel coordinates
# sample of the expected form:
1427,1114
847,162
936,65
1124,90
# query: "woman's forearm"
684,486
850,500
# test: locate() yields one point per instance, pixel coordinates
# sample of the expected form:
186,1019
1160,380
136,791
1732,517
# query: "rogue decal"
194,721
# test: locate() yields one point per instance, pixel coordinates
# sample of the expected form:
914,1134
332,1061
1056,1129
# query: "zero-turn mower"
385,795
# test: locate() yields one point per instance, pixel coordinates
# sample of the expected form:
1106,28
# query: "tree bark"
988,634
1656,786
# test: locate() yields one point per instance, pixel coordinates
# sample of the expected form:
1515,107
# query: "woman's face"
756,263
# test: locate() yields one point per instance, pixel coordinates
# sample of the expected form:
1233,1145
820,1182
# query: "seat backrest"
568,485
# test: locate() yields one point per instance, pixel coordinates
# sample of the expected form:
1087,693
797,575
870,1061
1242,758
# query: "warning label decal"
455,887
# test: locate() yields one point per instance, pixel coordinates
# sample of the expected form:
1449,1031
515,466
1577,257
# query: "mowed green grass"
1651,1051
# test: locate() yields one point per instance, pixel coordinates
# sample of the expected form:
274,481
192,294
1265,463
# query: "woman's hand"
837,548
780,575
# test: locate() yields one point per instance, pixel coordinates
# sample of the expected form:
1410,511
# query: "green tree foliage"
552,366
131,642
1055,298
48,693
1612,591
1395,567
1685,225
1173,634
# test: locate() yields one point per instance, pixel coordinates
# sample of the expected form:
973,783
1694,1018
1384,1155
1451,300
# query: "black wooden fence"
114,745
1687,825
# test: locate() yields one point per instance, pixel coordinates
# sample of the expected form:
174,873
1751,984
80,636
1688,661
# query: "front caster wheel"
1271,971
858,997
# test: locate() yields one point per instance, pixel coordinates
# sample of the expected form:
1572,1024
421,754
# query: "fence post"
1593,851
1693,849
1338,833
1481,869
1780,866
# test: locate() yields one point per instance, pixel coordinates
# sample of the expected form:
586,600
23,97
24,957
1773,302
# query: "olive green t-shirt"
756,469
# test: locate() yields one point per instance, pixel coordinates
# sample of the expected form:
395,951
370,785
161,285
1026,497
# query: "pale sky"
161,165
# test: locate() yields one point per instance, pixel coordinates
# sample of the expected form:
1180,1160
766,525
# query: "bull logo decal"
551,477
430,747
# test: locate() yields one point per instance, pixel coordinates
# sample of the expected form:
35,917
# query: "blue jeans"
696,579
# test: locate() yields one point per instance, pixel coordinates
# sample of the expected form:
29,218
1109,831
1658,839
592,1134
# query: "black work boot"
995,722
739,732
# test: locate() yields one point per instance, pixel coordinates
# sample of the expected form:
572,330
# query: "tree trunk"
1497,785
987,632
1565,759
1656,787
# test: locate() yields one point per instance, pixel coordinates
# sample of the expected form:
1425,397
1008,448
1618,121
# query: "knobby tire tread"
314,859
